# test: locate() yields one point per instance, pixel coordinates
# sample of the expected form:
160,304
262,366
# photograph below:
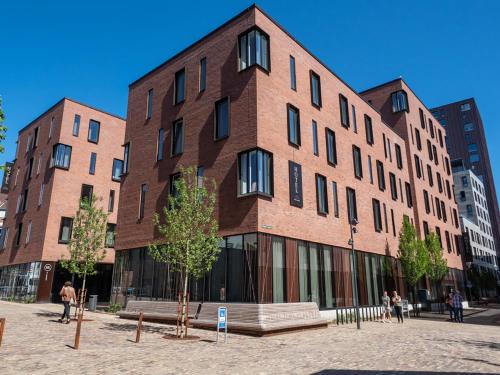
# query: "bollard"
2,326
139,327
78,330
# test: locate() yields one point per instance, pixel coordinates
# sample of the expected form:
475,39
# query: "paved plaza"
34,343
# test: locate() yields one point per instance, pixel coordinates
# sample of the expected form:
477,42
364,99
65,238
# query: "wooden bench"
245,318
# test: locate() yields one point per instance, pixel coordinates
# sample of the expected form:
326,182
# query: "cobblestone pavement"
34,343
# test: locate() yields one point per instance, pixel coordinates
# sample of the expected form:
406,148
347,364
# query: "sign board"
295,182
47,267
222,321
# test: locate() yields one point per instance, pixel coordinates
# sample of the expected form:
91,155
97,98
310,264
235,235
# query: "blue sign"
222,318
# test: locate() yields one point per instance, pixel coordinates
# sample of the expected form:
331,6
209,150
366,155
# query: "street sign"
222,321
47,267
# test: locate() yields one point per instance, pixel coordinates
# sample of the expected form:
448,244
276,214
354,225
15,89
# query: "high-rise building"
69,152
466,144
297,155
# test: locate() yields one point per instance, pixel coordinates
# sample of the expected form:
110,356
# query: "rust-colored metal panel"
265,269
46,279
292,270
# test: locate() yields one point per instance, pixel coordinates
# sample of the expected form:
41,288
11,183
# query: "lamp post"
352,225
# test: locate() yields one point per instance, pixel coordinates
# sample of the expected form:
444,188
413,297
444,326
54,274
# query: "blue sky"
90,51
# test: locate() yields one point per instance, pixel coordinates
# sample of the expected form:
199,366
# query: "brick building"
70,151
296,153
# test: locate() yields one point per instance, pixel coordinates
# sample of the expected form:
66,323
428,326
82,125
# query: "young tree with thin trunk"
188,232
437,265
87,246
412,255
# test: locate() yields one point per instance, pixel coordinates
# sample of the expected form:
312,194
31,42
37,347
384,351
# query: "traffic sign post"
222,322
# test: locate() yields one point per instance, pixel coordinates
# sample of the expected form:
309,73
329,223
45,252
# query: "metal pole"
355,278
139,327
2,327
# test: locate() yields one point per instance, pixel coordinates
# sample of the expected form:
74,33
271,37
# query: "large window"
110,235
399,101
321,194
352,210
344,111
331,147
293,77
357,162
160,144
177,137
93,160
203,74
149,104
254,49
94,127
222,118
380,175
255,172
61,156
394,187
293,125
369,130
377,215
315,138
180,86
126,157
76,125
65,229
315,89
117,170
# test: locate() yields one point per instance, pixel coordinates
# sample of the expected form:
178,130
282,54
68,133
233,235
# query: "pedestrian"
457,307
68,296
449,305
386,308
396,300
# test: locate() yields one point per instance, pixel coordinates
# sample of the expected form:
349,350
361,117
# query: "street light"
352,226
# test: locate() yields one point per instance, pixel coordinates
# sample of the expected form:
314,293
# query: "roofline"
71,100
456,102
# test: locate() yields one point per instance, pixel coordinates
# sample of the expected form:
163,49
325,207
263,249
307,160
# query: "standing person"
67,294
449,305
457,307
396,299
386,308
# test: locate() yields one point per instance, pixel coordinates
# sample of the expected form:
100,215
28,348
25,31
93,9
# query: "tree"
3,129
413,256
87,246
437,266
188,232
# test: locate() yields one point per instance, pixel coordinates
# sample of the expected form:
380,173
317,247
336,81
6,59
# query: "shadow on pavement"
133,327
390,372
47,314
476,343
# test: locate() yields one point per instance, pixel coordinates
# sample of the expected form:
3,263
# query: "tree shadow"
392,372
133,327
476,343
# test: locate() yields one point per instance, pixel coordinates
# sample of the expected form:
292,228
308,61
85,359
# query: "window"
431,128
354,121
393,223
474,158
377,215
28,233
426,202
409,200
254,49
439,181
76,125
399,101
18,235
315,89
438,232
455,215
28,143
94,127
93,157
142,200
149,104
417,167
255,172
462,196
293,78
465,182
331,147
472,147
429,174
160,144
438,208
443,212
426,228
25,199
5,238
293,125
434,151
468,127
19,202
448,243
344,111
369,130
394,186
110,235
203,74
370,171
380,175
429,150
385,145
30,167
352,211
177,137
126,158
118,167
36,137
40,195
51,127
447,164
315,138
440,136
65,229
335,199
399,158
61,156
200,172
465,107
357,162
86,194
172,184
222,118
180,86
417,138
111,201
422,118
321,196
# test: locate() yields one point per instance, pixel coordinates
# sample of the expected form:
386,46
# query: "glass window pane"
278,270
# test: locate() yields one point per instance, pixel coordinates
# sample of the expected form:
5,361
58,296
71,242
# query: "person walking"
68,295
398,306
449,305
386,308
457,307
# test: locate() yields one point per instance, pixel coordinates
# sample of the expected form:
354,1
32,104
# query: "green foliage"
437,266
87,243
113,308
189,242
3,128
412,254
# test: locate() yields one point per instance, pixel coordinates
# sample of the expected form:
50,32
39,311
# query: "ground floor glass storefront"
262,268
20,281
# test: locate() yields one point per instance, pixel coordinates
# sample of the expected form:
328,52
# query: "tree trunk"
184,299
82,294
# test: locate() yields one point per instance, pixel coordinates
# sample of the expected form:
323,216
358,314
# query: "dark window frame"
293,74
53,163
268,51
297,130
216,118
331,154
320,178
314,75
91,121
369,130
113,170
399,157
377,215
271,174
177,74
70,220
357,161
344,103
380,175
350,190
173,144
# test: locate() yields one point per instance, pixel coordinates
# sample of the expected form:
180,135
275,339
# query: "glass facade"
20,281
